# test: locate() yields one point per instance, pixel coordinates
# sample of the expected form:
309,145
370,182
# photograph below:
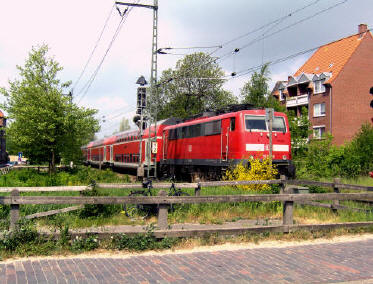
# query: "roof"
331,57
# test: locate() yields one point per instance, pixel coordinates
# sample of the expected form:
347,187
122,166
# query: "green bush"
361,148
142,242
91,242
350,160
77,176
25,233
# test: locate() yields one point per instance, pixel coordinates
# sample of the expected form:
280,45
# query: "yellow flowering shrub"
256,170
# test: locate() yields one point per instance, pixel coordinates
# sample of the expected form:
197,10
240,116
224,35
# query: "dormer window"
318,86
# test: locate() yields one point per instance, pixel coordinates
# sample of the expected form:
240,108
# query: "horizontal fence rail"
189,185
180,199
45,189
163,202
330,184
139,185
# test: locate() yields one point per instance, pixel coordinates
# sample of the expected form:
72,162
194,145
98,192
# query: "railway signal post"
151,161
269,118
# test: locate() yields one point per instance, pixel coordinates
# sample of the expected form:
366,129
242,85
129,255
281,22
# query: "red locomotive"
203,146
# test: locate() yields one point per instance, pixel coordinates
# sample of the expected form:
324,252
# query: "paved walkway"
317,263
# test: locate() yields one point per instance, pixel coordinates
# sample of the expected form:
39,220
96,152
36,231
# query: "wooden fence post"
336,190
197,190
14,210
288,208
283,184
162,212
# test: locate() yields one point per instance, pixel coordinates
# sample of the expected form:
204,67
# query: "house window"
319,110
318,131
318,86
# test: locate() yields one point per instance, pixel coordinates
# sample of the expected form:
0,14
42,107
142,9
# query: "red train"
203,146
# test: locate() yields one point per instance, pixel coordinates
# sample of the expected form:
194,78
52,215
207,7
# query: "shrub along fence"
287,196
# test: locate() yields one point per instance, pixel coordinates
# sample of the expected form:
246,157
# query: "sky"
72,28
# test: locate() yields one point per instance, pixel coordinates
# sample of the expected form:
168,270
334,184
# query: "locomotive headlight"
284,157
251,157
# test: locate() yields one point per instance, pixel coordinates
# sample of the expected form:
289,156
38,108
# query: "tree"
300,129
124,125
45,125
192,87
255,91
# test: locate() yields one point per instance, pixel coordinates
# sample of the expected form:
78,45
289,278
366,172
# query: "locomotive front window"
279,124
255,123
258,123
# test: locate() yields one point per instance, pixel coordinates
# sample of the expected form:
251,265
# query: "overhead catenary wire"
273,62
288,57
224,56
276,21
113,124
124,16
120,114
236,50
87,86
217,47
94,48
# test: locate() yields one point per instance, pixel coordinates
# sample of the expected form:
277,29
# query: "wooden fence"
287,196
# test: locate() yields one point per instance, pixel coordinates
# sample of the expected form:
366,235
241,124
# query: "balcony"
297,101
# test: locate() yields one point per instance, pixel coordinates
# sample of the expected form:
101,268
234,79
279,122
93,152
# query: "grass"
27,243
210,213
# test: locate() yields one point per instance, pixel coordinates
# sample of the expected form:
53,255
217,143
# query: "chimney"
362,30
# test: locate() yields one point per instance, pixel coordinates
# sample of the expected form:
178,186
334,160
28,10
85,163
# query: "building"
334,85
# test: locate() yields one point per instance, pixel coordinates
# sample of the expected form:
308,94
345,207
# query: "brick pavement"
317,263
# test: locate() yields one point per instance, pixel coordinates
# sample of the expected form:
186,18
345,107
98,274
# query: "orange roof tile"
331,57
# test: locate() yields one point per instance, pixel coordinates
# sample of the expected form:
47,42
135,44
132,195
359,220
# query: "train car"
203,146
122,150
4,157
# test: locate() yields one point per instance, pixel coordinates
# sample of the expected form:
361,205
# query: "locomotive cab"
257,142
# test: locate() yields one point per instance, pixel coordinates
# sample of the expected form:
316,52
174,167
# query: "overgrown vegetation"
76,176
325,160
26,241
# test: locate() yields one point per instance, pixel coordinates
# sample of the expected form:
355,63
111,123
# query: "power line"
273,62
282,29
94,49
291,13
114,123
124,16
285,58
277,21
192,47
119,110
120,114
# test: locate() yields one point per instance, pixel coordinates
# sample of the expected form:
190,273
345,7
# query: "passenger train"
203,146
